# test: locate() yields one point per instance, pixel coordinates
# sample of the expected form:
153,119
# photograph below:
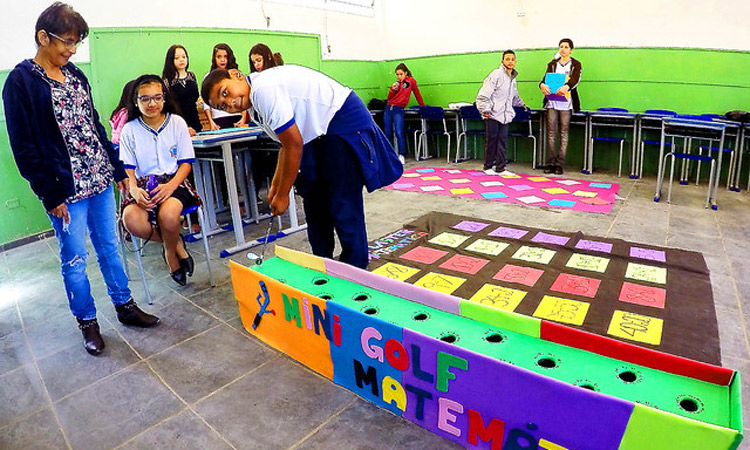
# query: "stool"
689,157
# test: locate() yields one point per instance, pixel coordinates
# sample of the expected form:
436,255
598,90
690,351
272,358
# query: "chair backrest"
469,113
693,117
660,112
522,115
715,116
613,110
431,113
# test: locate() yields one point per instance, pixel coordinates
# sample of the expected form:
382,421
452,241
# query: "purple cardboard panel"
596,246
508,232
647,253
550,238
464,392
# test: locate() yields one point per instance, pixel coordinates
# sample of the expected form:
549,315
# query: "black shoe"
179,276
92,339
549,169
130,314
558,170
187,264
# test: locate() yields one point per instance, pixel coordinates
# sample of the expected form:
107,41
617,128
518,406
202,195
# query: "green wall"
632,78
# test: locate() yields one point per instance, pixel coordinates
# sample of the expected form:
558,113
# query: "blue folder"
555,81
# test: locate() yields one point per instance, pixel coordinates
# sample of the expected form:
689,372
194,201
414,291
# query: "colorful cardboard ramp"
533,190
515,383
658,298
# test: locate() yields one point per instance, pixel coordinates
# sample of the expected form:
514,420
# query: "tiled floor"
199,381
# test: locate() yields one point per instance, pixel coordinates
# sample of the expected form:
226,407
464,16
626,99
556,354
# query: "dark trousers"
557,120
496,140
332,199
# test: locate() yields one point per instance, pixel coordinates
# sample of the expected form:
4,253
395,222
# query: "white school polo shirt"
289,94
156,152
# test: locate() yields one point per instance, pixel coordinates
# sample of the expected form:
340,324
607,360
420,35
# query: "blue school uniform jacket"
38,146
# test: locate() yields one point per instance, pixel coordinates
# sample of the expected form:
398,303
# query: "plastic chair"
467,113
523,116
593,139
139,246
427,114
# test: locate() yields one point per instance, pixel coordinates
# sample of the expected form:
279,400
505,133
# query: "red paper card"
572,284
517,274
424,255
466,264
643,295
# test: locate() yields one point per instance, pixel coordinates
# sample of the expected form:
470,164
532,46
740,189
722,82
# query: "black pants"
496,140
332,199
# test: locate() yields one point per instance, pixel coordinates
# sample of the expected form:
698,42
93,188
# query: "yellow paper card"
636,327
642,272
538,179
460,180
439,282
432,178
584,194
588,262
556,191
498,297
452,240
411,175
487,247
396,271
534,254
562,310
511,176
461,191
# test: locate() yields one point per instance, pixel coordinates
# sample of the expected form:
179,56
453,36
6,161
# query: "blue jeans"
393,120
97,215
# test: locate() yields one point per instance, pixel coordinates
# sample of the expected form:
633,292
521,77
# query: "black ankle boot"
186,263
130,314
92,339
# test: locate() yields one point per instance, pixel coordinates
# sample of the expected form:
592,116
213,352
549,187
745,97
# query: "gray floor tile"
365,426
21,392
185,431
53,335
73,368
219,301
298,402
43,299
14,351
732,334
200,366
39,432
110,412
10,319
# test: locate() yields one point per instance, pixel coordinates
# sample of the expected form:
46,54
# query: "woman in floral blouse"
61,148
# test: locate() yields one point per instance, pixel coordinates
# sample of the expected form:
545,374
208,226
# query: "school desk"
610,119
234,169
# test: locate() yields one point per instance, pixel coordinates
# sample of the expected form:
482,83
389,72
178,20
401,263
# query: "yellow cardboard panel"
487,247
534,254
498,297
636,327
440,282
396,271
562,310
588,262
643,272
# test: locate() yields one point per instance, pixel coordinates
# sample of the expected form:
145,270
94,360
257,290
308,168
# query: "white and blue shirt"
289,94
156,152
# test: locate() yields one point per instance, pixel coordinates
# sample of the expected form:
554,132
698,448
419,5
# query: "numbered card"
459,180
498,297
636,327
403,185
440,282
575,285
492,183
568,182
562,203
508,232
588,262
493,195
446,239
556,191
643,295
425,170
461,191
550,238
412,175
431,188
487,247
463,263
642,272
470,226
534,254
530,199
431,178
425,255
538,179
521,187
518,274
562,310
596,246
585,194
647,253
396,271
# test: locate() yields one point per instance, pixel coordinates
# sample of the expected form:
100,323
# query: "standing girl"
182,85
157,152
562,106
398,98
261,58
222,58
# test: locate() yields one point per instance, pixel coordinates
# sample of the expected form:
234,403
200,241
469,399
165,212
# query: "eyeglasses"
146,99
66,42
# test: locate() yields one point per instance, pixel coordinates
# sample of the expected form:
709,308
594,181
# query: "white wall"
408,28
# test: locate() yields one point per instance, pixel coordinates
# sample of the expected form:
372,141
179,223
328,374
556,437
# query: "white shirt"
156,152
566,68
284,95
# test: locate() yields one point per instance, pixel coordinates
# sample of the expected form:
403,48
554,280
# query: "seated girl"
157,152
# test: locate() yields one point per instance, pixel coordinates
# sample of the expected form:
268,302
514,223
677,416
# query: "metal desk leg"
634,148
234,201
253,192
659,173
717,177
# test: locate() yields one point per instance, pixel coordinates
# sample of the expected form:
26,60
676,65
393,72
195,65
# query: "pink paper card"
508,232
647,253
468,225
424,255
573,284
517,274
596,246
550,239
466,264
643,295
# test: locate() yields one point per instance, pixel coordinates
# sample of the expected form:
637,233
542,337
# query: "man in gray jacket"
495,100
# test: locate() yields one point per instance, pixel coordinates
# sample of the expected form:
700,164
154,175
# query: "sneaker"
507,173
490,172
401,158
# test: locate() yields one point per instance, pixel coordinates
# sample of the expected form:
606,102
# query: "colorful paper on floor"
658,298
524,189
